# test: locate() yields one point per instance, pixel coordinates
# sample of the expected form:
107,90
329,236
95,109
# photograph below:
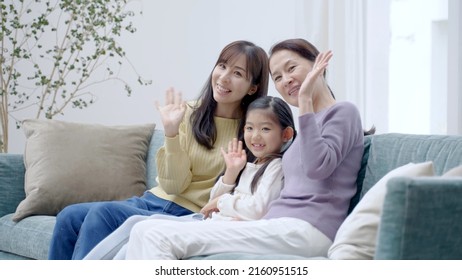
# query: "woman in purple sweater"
320,170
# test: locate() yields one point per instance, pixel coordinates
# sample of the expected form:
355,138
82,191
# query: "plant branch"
60,51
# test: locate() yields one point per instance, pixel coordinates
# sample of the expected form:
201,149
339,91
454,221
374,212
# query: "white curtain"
454,116
340,26
359,34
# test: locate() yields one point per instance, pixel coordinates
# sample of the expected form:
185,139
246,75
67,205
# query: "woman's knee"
103,211
110,214
74,212
70,219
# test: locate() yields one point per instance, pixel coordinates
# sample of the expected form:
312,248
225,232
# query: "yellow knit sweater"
186,170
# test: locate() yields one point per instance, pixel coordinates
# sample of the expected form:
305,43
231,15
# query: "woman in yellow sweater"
190,160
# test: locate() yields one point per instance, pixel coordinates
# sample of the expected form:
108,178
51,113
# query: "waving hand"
172,112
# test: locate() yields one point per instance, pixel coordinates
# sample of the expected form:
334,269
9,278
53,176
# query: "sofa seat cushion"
9,256
29,238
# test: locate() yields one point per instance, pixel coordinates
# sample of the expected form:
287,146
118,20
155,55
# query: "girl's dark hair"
202,121
280,113
306,50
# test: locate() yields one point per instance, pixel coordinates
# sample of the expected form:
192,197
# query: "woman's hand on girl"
172,112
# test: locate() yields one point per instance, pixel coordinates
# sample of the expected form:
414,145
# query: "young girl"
320,170
188,164
252,179
268,127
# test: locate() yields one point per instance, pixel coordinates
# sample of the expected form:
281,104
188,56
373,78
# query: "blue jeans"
79,227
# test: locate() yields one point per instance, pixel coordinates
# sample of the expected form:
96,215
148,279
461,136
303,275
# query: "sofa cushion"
69,163
29,238
356,237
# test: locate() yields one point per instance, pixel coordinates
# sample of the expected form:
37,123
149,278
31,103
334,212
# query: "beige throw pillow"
356,237
454,172
68,163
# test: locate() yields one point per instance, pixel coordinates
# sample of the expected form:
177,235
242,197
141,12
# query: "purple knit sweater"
320,168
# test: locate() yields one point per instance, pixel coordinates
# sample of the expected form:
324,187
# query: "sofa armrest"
11,182
421,219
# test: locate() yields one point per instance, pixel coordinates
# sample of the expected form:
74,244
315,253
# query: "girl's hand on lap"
210,207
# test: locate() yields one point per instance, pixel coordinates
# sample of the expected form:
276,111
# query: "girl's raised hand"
235,157
309,84
172,112
235,160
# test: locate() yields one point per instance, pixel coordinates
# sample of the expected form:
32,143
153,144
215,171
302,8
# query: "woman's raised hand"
172,112
309,85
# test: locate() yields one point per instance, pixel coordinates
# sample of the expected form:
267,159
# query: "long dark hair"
202,121
308,51
282,114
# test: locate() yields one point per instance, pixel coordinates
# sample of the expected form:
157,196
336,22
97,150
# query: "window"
418,66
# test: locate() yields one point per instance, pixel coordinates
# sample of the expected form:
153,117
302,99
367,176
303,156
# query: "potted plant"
53,52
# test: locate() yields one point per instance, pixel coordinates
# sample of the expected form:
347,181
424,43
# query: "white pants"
170,239
114,245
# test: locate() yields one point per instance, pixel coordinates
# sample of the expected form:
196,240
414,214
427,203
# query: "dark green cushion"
361,174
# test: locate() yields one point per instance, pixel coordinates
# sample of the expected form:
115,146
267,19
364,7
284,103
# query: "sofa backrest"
391,150
12,172
157,140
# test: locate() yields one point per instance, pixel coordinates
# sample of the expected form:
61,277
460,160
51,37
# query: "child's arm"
244,206
235,160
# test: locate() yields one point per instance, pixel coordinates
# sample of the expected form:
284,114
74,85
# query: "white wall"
178,41
410,54
377,67
176,44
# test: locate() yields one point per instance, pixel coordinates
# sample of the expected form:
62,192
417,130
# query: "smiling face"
230,83
263,135
288,71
